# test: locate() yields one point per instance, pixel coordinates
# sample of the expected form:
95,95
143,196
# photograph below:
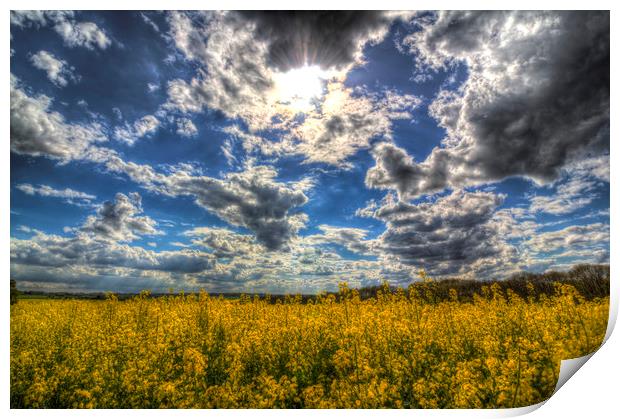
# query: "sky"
287,152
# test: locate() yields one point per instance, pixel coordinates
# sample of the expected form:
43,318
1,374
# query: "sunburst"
300,87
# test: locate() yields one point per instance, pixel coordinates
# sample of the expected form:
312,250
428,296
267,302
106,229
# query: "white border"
593,392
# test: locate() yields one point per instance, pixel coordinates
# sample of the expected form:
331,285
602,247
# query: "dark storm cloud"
120,219
451,235
325,38
394,169
537,98
251,199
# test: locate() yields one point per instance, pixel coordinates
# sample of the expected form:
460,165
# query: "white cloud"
149,22
179,244
37,130
346,122
237,76
186,128
353,239
69,195
118,113
82,34
569,196
27,18
73,33
570,238
224,243
596,167
145,126
58,71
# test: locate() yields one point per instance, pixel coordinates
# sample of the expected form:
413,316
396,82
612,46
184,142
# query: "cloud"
117,113
236,76
58,71
233,77
83,34
80,278
347,122
252,199
150,22
231,262
465,233
186,128
514,224
83,250
74,34
179,244
595,167
36,130
330,39
571,195
310,266
225,243
69,195
28,18
573,237
353,239
97,248
120,220
536,99
576,188
144,126
455,234
395,169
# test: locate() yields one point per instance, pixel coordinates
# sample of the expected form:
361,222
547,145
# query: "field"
403,348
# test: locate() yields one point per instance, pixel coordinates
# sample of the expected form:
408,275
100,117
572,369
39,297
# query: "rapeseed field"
398,350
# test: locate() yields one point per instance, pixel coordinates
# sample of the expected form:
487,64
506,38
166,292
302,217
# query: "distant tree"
14,292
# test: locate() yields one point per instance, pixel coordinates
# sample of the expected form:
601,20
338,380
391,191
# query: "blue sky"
288,152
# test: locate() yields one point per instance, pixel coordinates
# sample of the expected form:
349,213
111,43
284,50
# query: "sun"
297,88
